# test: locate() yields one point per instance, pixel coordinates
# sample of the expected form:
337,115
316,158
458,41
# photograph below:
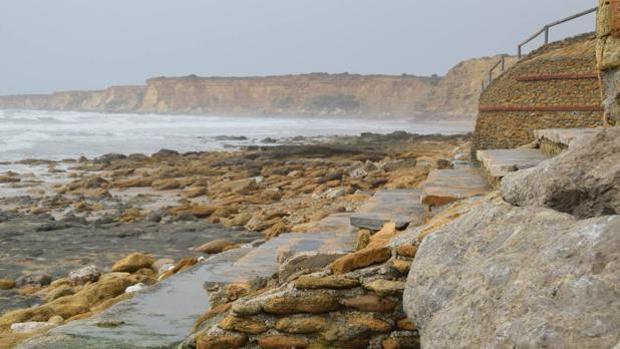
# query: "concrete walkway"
500,162
446,186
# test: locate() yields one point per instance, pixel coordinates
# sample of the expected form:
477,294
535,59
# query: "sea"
57,135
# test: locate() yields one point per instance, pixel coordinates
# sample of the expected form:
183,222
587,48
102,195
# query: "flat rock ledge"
508,277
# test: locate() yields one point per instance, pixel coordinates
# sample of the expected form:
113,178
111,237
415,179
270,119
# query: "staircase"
555,86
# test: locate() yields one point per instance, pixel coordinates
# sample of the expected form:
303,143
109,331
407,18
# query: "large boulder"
509,277
583,181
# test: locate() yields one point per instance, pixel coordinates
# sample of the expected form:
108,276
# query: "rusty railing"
501,63
545,30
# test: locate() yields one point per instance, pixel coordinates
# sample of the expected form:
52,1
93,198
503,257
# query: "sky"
50,45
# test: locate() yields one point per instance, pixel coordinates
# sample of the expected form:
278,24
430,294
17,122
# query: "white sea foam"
58,135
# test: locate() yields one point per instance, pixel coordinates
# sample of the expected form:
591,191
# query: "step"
402,206
563,136
500,162
158,317
446,186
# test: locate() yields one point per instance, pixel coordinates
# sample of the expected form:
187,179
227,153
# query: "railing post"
503,63
546,35
519,55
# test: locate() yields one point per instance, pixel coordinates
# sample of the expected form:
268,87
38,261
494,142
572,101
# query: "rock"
56,320
401,342
194,192
342,336
59,292
302,325
215,246
401,266
164,153
363,239
329,282
136,288
108,158
360,259
313,302
6,284
133,182
247,307
153,217
85,275
29,290
368,322
583,181
238,220
167,184
407,250
443,164
528,271
406,324
32,326
133,263
282,342
241,186
370,303
385,287
395,165
245,325
269,140
162,265
221,341
334,193
34,279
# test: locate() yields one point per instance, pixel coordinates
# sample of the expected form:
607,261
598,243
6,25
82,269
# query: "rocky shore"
376,241
178,209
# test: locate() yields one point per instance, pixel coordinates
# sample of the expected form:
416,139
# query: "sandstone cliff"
454,95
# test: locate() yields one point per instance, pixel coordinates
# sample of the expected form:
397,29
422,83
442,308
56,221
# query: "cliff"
454,95
112,99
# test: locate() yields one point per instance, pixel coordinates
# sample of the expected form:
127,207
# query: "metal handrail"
502,63
545,29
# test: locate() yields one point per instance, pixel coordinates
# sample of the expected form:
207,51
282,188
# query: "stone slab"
499,162
402,206
330,239
159,317
336,223
445,186
563,136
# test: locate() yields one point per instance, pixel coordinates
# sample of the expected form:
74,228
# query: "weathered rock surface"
583,181
505,277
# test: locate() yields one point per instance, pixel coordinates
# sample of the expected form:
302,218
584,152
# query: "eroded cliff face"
454,95
112,99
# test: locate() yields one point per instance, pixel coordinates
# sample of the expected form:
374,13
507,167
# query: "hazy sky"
48,45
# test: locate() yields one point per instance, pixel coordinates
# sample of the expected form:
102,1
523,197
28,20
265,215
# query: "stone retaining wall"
354,303
554,87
